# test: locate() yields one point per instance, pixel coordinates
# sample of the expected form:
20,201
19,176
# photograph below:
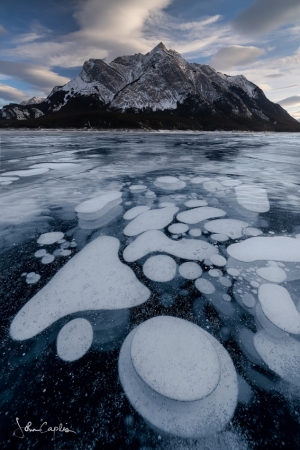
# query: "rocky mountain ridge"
159,84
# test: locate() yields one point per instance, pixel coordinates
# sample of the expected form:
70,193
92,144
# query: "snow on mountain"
33,101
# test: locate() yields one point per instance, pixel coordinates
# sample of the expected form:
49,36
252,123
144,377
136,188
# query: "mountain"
159,90
33,101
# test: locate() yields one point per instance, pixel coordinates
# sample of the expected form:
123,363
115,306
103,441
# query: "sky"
44,43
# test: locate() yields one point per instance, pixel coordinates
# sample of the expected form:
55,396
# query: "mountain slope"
158,87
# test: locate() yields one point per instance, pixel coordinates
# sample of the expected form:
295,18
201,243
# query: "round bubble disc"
175,359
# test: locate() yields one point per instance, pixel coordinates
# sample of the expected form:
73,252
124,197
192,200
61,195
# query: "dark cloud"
235,56
264,16
290,101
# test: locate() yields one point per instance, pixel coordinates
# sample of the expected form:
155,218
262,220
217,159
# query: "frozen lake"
150,290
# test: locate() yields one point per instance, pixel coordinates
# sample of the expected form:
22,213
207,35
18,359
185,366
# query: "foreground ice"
204,286
252,198
279,308
157,241
26,173
274,274
97,207
196,215
169,183
190,270
50,238
93,279
187,419
154,219
277,248
165,352
230,227
281,354
160,268
178,228
74,339
195,203
135,211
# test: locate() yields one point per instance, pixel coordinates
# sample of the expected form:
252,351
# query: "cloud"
285,87
11,94
264,16
275,75
40,77
106,29
37,31
235,56
2,30
290,101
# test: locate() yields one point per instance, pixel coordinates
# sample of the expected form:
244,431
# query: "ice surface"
274,274
204,286
105,216
135,211
226,282
56,166
93,279
190,270
74,339
219,237
32,278
230,183
178,228
154,219
213,186
281,355
50,238
195,203
218,260
40,253
150,194
156,241
279,308
137,188
248,300
96,207
250,231
216,273
175,358
196,215
278,248
230,227
47,259
233,272
160,268
195,232
169,183
198,180
253,198
182,418
26,173
6,179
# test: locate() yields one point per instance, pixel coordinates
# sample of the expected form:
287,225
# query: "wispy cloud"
11,94
2,30
285,87
40,77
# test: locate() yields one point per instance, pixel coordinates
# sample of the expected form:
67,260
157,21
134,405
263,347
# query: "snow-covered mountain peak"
161,81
